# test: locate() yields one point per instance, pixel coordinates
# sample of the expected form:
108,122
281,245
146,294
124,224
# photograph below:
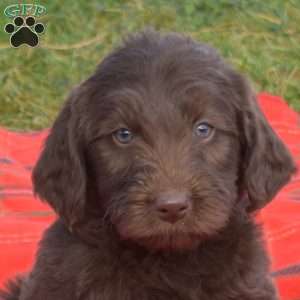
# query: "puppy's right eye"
123,135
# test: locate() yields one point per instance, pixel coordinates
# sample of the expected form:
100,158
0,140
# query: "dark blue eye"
123,135
203,130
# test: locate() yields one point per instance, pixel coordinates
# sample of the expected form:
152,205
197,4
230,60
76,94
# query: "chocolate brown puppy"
155,167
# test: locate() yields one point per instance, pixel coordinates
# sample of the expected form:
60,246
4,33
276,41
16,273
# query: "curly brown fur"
119,234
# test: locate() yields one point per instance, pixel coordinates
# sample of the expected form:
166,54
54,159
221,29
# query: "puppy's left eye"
123,135
203,130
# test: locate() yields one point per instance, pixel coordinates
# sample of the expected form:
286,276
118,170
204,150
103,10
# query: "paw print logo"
24,32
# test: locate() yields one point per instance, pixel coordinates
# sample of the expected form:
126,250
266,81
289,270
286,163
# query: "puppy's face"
160,142
166,162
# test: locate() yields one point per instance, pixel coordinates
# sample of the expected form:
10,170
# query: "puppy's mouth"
167,241
170,242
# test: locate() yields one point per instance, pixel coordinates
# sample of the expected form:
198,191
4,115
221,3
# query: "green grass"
261,38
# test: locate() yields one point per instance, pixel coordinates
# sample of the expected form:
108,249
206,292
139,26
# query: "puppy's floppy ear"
59,176
266,162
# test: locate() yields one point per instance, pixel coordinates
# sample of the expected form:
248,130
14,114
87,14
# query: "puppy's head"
161,142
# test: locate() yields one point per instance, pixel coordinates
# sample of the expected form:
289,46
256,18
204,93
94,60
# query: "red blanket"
23,218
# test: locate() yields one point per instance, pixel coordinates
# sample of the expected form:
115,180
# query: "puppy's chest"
154,283
145,289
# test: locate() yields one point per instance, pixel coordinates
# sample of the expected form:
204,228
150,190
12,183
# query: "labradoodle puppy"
155,166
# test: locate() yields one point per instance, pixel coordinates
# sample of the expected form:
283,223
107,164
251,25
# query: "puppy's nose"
172,207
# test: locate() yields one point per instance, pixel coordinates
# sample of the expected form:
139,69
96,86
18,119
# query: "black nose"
172,207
